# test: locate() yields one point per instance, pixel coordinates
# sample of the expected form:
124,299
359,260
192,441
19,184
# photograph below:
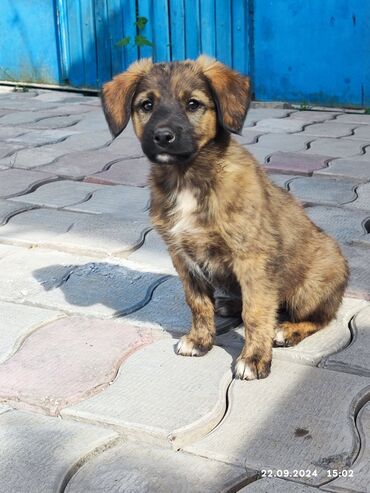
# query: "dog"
226,225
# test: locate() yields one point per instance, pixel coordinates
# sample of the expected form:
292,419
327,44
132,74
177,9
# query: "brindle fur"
225,224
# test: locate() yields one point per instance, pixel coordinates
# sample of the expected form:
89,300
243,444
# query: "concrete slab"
329,191
126,146
40,138
261,154
282,180
355,357
337,147
363,200
279,125
283,422
17,182
90,352
359,266
17,322
346,225
347,168
359,479
284,143
256,114
249,136
154,254
133,172
138,469
308,116
9,209
297,163
361,133
53,122
359,118
329,129
38,453
181,399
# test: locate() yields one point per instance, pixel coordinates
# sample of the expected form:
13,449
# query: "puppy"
225,224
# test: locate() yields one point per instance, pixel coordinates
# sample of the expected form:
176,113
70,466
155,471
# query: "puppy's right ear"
117,95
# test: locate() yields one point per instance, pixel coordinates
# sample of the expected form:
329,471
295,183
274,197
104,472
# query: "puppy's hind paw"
186,347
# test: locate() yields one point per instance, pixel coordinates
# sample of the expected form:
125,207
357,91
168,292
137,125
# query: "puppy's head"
178,107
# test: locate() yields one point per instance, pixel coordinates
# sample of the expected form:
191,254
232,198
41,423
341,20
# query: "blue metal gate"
311,51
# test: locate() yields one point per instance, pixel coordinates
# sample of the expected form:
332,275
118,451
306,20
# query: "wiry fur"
225,224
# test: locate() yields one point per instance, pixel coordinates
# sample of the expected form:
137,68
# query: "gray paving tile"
299,163
359,265
284,143
54,122
59,194
39,138
269,485
363,199
11,132
337,147
317,190
9,209
256,114
347,168
355,358
361,133
138,469
25,117
59,96
261,154
343,224
329,129
354,118
267,426
133,172
181,399
358,481
94,121
16,181
126,147
279,125
17,322
37,452
248,136
7,150
154,254
281,180
308,117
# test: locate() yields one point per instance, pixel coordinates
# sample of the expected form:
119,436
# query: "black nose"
163,136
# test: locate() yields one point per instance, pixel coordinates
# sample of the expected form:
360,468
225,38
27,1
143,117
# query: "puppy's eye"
192,105
147,105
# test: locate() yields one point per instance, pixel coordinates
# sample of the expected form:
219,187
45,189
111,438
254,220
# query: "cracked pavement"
92,396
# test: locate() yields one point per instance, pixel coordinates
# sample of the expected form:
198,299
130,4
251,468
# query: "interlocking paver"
129,172
361,133
40,138
11,132
261,154
9,209
358,481
27,116
267,426
308,117
181,399
346,225
298,163
98,234
354,118
313,349
282,180
17,181
88,351
126,147
269,485
256,114
332,191
359,265
337,147
59,194
347,168
8,149
363,200
328,129
355,357
18,321
154,254
37,453
248,136
140,469
54,122
279,125
284,143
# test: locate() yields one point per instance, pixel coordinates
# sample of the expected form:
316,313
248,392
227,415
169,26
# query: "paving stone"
313,349
126,147
11,132
337,147
92,122
131,202
261,154
181,399
361,133
329,129
15,181
4,409
89,352
354,118
59,96
17,322
313,116
59,194
9,209
8,149
287,142
256,114
87,234
359,266
139,469
32,104
269,485
154,254
360,480
331,191
40,138
38,453
129,172
279,125
355,358
347,168
25,117
54,122
284,422
298,163
363,199
248,136
32,157
346,225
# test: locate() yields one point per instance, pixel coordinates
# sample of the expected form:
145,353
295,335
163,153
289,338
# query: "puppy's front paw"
250,368
187,347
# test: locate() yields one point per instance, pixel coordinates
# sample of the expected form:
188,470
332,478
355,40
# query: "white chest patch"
185,207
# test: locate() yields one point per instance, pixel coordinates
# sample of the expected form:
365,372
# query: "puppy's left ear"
231,92
117,95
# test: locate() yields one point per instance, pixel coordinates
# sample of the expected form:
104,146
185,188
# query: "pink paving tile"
67,361
296,162
128,172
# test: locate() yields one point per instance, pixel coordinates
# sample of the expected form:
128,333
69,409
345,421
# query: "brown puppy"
225,224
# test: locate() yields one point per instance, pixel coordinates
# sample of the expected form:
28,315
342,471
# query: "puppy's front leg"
199,297
259,313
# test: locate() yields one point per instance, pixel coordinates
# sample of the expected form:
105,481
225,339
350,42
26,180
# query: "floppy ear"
231,92
117,95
